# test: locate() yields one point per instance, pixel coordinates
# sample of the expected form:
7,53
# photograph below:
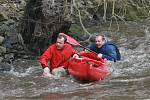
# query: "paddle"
72,41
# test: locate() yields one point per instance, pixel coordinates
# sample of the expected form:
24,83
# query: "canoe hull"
88,69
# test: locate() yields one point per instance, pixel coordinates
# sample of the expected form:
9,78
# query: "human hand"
99,55
75,56
85,50
46,71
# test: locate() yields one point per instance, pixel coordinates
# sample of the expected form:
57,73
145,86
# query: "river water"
129,78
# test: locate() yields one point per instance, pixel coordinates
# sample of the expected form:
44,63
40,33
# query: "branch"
105,10
80,19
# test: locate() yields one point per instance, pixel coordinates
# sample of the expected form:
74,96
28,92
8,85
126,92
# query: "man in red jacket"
57,55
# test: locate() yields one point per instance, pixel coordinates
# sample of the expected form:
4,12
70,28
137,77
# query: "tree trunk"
42,22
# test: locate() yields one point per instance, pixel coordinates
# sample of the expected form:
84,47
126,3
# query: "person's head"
99,40
61,40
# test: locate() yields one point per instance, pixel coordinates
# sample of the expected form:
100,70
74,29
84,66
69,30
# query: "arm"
110,53
73,53
46,56
93,47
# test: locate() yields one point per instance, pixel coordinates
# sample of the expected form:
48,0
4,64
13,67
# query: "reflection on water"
129,79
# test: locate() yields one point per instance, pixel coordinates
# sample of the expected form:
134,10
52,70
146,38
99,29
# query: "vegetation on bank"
104,12
39,20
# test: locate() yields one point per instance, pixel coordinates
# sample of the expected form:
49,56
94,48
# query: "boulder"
2,49
3,17
5,67
1,58
1,40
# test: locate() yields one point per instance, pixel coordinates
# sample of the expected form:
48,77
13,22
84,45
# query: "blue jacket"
109,51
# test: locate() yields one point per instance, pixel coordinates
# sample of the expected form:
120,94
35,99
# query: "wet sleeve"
92,47
73,51
46,56
110,53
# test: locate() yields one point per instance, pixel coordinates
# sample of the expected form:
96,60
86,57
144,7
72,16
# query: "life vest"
117,49
104,50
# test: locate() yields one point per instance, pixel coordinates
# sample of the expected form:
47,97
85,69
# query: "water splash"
27,72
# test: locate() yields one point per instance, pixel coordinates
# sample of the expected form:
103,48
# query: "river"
129,78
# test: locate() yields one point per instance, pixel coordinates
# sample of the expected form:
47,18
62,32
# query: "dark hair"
62,36
103,36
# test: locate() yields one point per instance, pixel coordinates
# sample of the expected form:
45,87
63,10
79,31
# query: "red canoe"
88,68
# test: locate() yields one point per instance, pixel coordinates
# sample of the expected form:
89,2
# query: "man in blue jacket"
105,49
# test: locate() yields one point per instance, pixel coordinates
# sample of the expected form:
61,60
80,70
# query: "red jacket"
57,57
